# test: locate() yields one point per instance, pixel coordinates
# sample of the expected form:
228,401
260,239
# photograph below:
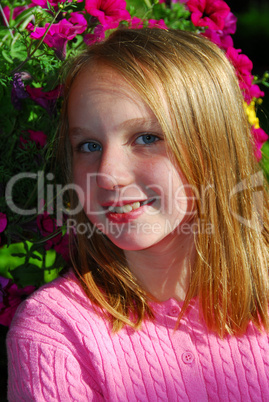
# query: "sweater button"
174,311
187,357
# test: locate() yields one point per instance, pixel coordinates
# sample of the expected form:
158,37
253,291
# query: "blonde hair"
204,116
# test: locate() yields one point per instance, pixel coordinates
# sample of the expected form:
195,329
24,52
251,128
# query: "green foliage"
39,266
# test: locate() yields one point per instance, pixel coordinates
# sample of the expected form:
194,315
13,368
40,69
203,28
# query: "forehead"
97,79
99,84
101,95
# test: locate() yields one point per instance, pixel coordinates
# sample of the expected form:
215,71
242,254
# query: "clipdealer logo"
51,195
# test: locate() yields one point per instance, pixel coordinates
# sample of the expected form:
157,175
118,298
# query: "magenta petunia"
3,221
11,297
260,137
157,24
222,38
243,67
240,61
47,226
213,36
41,3
255,91
217,37
16,11
45,99
60,33
208,13
97,35
136,23
108,12
38,137
229,24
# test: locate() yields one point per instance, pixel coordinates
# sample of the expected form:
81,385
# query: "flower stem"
6,21
37,46
148,4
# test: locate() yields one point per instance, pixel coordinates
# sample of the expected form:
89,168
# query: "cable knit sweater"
61,349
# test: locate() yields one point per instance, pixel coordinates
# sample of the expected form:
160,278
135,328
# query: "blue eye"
90,147
146,139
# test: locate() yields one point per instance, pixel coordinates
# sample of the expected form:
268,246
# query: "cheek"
177,194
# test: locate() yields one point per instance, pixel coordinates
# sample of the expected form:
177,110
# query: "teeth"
136,205
128,207
125,208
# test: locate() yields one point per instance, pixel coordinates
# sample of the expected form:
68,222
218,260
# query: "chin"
138,244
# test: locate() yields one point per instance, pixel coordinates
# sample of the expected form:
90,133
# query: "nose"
115,169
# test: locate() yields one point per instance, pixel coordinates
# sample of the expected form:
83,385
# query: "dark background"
252,36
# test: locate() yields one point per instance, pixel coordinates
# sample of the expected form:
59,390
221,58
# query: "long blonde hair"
204,116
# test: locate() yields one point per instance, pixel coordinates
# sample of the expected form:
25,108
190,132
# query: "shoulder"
48,345
57,313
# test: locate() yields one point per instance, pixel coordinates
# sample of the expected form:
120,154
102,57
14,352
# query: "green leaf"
27,266
26,15
7,57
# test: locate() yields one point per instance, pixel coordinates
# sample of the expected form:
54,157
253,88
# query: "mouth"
129,207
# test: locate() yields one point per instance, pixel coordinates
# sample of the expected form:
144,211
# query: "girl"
168,295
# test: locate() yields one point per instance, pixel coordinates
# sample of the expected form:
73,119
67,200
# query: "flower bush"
36,38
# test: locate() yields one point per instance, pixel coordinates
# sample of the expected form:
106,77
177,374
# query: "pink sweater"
60,349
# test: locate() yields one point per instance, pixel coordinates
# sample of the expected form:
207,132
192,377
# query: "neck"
164,269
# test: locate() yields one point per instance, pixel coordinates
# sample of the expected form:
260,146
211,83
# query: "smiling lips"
127,212
128,207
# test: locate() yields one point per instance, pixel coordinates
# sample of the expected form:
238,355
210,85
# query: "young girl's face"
129,188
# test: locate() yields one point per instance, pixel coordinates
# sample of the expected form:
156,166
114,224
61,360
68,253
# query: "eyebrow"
132,123
150,123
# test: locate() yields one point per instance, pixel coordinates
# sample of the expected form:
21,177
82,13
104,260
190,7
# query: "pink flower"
97,36
260,137
41,3
79,25
229,24
241,62
217,37
157,24
60,33
255,92
222,38
243,66
11,297
38,137
16,11
45,99
62,248
213,36
108,12
3,221
52,39
136,23
47,226
208,13
35,136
